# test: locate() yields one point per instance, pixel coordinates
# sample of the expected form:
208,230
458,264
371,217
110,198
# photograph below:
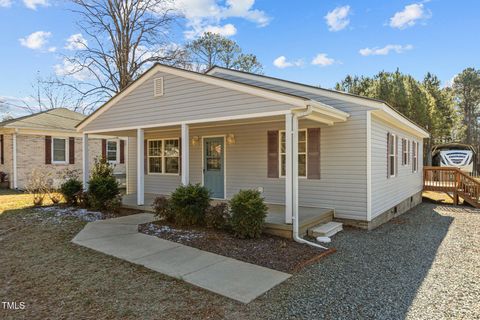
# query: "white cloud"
36,40
409,16
282,63
322,60
202,14
337,19
226,30
33,4
52,49
76,42
5,3
376,51
71,69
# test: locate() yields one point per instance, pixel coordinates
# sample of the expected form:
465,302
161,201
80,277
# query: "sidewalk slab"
236,279
97,230
130,246
179,261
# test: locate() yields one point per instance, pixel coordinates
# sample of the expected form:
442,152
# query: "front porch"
275,221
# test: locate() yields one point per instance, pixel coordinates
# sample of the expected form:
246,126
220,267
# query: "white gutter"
295,218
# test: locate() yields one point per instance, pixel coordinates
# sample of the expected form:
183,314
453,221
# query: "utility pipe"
296,237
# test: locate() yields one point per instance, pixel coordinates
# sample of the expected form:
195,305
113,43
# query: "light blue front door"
213,166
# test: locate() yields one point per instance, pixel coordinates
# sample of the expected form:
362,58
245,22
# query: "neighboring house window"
59,150
302,153
415,156
163,156
392,155
404,152
112,151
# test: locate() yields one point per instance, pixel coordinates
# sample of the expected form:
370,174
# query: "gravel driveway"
424,264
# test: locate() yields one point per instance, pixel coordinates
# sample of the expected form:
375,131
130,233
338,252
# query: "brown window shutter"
2,157
388,154
313,153
104,148
145,156
48,150
272,160
71,150
122,151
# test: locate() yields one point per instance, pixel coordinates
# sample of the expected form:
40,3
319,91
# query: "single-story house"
48,141
305,148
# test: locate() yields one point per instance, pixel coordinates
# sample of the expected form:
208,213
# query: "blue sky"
315,42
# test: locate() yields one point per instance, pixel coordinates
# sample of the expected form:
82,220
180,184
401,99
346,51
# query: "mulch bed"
267,251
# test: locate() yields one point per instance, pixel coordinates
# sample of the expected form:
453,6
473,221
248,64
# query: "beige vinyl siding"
388,192
343,166
183,100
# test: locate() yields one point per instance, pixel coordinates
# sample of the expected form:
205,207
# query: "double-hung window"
404,152
414,156
302,153
59,150
112,151
163,156
392,154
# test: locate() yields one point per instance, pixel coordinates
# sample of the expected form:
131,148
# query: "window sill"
162,174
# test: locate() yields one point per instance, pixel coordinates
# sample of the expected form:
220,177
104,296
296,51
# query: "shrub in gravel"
70,189
248,214
189,204
217,216
163,209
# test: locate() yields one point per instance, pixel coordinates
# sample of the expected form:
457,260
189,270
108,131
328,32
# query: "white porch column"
140,168
288,169
185,154
14,156
86,163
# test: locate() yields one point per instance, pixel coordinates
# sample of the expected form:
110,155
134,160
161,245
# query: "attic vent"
158,87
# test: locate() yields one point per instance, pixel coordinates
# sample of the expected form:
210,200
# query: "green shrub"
248,214
163,210
189,204
103,189
217,216
69,189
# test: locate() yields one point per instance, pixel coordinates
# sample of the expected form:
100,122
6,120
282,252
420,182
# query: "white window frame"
280,153
117,152
405,154
163,173
415,156
393,144
53,150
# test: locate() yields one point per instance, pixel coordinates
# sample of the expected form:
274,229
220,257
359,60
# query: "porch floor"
274,223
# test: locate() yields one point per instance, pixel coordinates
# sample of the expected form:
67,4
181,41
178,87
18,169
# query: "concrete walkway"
234,279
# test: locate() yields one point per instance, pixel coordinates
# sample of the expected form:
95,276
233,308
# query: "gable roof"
287,98
60,119
385,111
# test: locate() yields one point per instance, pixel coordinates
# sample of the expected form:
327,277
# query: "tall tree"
466,86
212,49
122,39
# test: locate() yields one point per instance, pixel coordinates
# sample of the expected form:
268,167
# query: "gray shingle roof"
53,119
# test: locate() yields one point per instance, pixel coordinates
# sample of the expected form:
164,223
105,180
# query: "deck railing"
454,182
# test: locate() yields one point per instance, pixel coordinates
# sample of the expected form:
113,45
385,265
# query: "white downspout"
295,218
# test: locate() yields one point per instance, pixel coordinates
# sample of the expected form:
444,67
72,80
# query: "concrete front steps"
328,229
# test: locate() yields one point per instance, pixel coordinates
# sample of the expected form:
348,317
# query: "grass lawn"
57,279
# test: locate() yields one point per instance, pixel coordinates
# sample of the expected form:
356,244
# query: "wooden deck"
274,223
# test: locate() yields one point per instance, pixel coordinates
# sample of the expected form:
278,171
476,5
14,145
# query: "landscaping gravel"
424,264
